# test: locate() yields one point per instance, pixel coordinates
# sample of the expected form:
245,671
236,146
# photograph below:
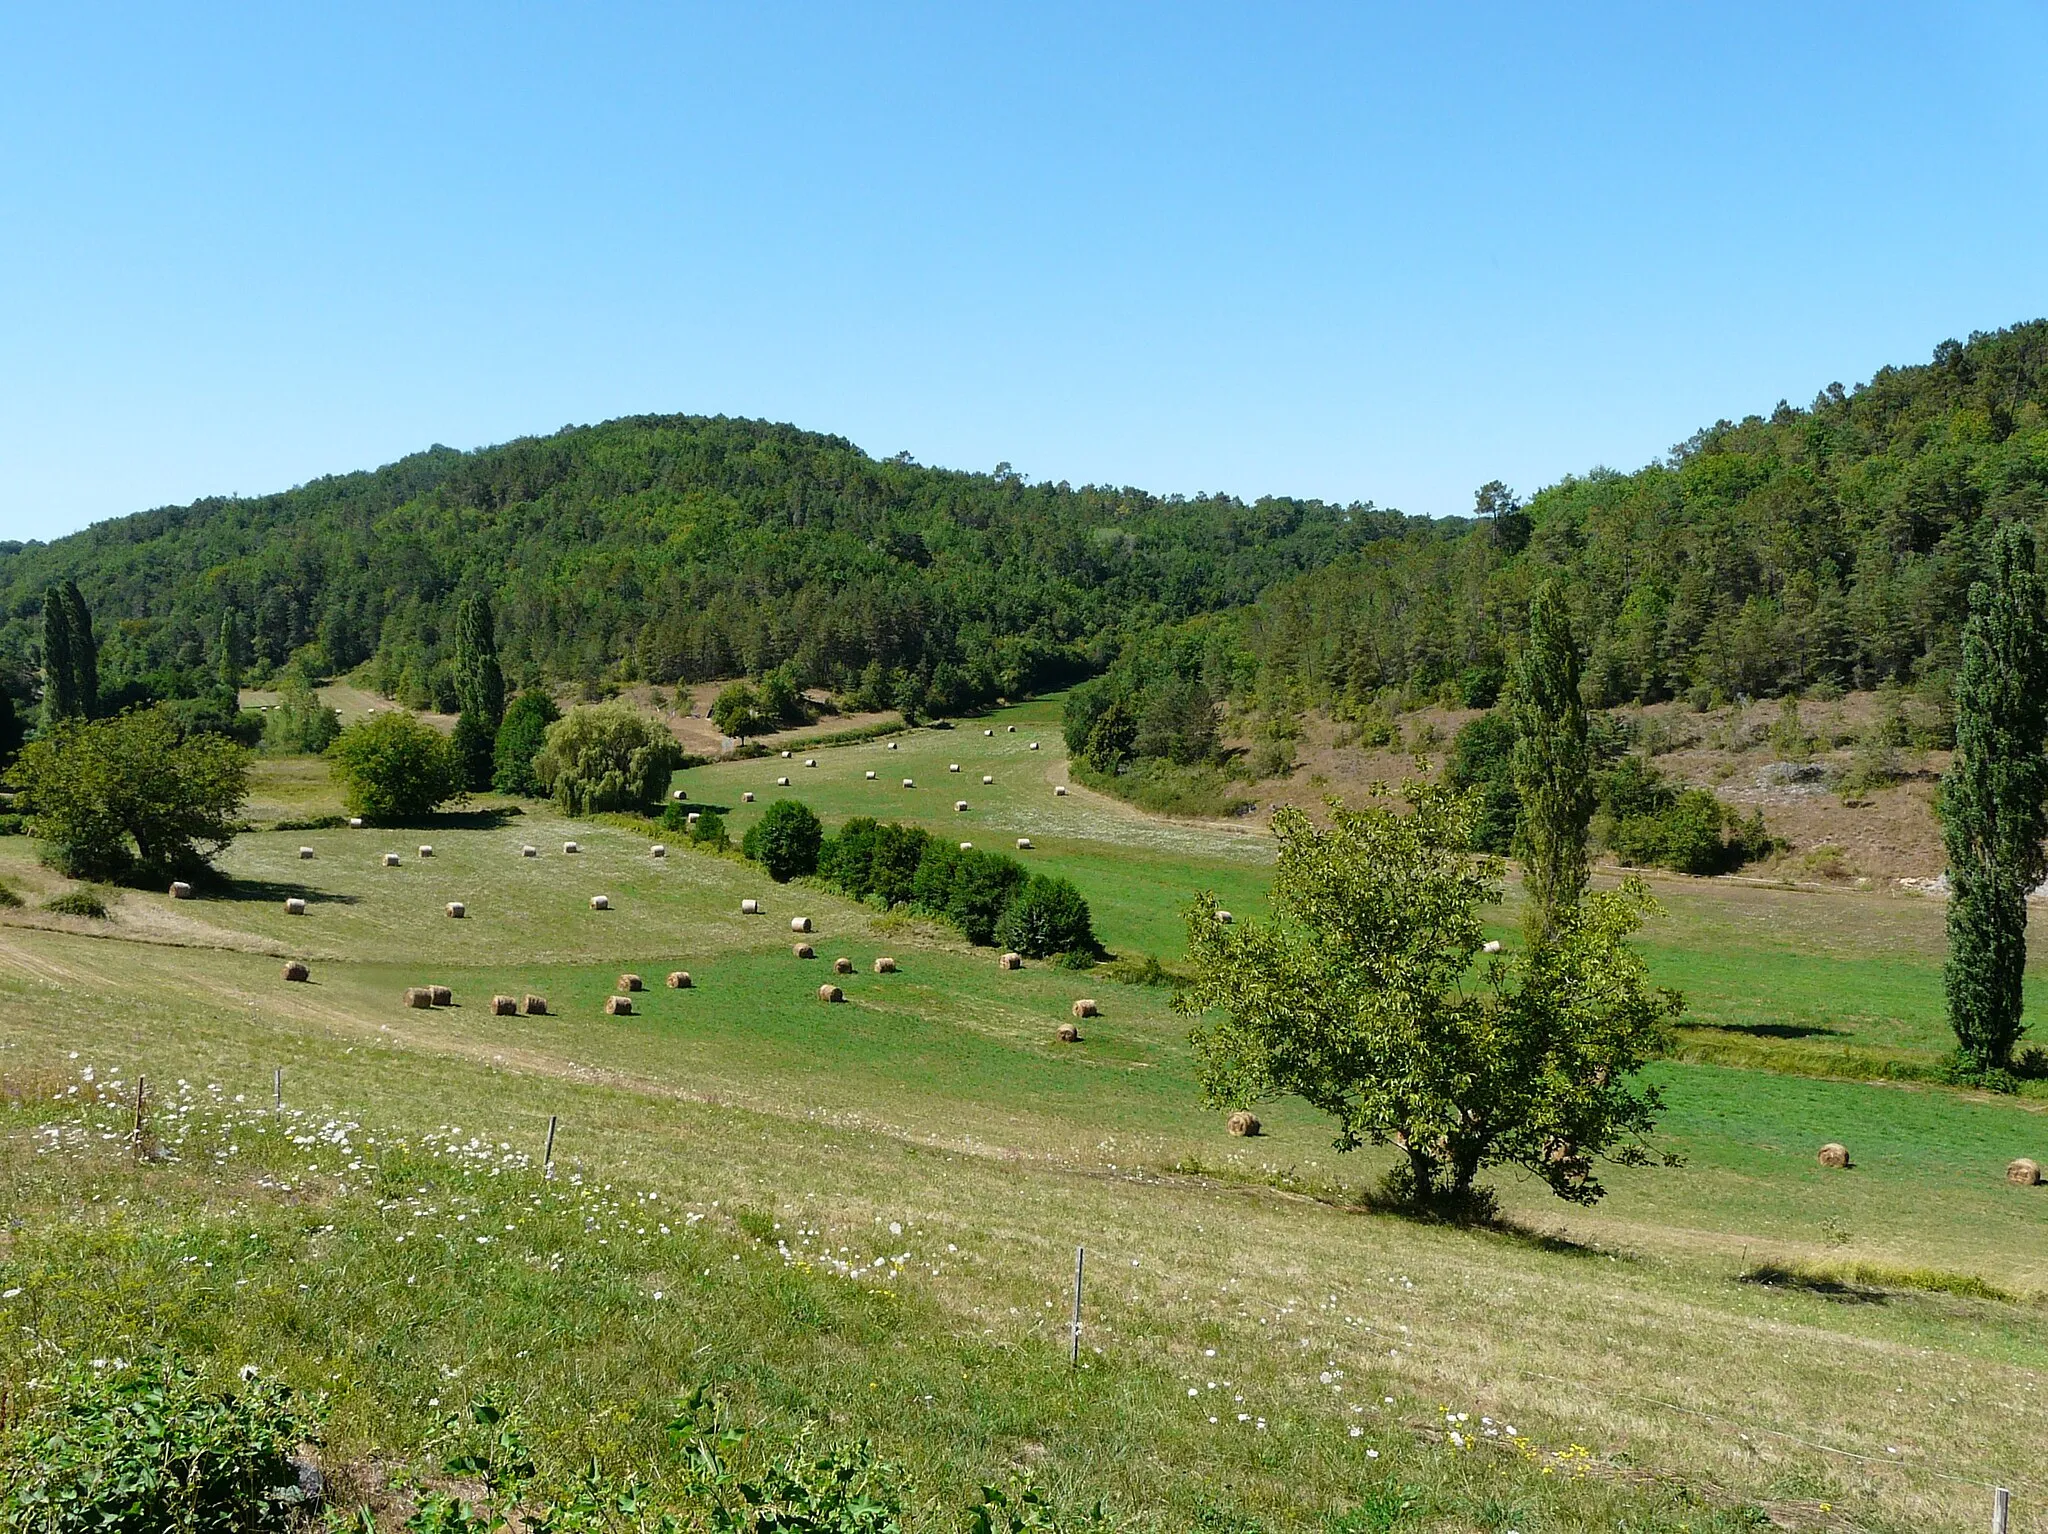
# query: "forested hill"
678,548
1835,543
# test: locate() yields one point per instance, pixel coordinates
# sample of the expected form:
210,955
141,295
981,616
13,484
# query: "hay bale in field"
799,924
987,778
529,851
355,822
803,950
1491,945
782,782
1834,1156
180,890
457,909
967,846
810,761
419,996
1225,918
305,854
1069,1034
1023,844
297,971
910,782
960,805
885,965
952,766
536,1006
747,797
600,902
629,982
426,851
679,795
294,906
618,1006
658,850
1034,745
871,777
2024,1172
442,995
390,860
504,1006
571,847
842,966
1087,1006
693,818
1244,1123
830,993
750,908
679,980
1012,730
785,756
988,732
1060,791
1010,961
892,745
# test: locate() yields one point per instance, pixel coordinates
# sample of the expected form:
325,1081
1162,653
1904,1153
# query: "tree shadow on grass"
1772,1030
1770,1275
273,892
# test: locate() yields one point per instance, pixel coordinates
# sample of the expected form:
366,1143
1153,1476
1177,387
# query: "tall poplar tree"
1553,769
85,653
60,679
228,659
479,690
1994,801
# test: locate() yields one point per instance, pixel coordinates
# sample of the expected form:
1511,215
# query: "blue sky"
1345,251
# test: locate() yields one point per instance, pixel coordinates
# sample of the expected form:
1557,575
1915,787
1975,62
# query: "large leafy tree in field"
520,738
134,795
607,757
1553,768
393,767
1994,801
1361,998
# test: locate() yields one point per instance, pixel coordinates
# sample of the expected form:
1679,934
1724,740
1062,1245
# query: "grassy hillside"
863,1217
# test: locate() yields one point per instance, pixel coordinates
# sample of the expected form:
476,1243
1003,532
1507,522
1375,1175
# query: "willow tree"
1553,768
1994,801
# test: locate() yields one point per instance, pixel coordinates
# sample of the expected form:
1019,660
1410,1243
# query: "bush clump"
393,767
154,1448
1047,916
989,896
520,737
785,840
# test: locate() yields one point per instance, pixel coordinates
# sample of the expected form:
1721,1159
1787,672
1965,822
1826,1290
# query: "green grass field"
736,1157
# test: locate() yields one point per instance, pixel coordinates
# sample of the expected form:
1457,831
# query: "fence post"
140,1087
2001,1509
277,1088
547,1159
1074,1356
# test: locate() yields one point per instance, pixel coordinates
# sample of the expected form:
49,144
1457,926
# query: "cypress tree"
1994,801
1553,768
228,659
85,653
60,685
479,689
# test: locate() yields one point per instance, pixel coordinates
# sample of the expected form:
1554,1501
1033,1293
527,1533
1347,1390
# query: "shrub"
78,902
709,831
971,888
393,767
154,1449
738,712
1047,916
300,725
607,757
786,840
117,795
8,899
520,738
215,714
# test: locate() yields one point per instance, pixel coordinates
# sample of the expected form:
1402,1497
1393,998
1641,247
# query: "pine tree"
1994,801
228,659
60,687
85,653
1553,768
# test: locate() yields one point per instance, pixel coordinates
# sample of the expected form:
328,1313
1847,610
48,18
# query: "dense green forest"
1826,545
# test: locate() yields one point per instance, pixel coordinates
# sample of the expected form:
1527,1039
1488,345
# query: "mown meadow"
859,1221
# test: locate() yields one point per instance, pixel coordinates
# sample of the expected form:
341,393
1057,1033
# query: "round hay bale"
1034,745
810,761
679,980
799,924
294,906
1010,961
600,902
1834,1156
782,782
871,777
892,745
1244,1123
305,854
629,982
658,850
842,966
180,890
1012,730
967,846
1023,844
885,966
910,783
747,797
1060,791
457,909
504,1006
529,851
960,805
355,822
750,908
2024,1172
419,996
426,851
571,847
803,951
987,778
785,756
830,993
442,995
1491,945
679,795
988,732
390,860
952,766
1224,918
536,1006
297,971
1087,1006
693,818
1069,1034
618,1006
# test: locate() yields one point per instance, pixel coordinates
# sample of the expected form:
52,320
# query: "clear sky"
1349,251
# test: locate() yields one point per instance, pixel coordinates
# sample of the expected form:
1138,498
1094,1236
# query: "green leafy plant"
84,901
785,840
610,756
519,740
392,766
300,724
1047,916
